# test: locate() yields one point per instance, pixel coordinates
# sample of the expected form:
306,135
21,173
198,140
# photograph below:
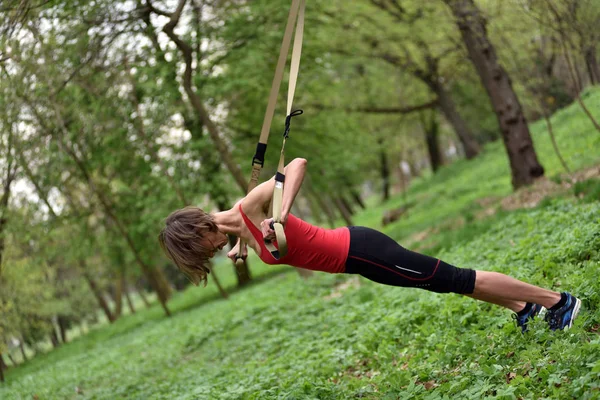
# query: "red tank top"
309,246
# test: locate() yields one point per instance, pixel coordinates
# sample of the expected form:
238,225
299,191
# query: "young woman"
191,237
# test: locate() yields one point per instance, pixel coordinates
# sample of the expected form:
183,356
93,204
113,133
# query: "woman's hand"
267,232
235,252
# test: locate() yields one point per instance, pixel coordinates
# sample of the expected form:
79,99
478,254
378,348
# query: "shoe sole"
575,312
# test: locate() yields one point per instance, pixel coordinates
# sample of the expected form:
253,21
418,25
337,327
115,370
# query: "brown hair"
181,240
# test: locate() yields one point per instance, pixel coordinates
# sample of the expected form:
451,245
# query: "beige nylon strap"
295,17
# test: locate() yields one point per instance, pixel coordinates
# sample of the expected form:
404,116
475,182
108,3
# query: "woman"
191,237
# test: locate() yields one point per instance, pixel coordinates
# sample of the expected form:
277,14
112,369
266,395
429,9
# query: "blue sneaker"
522,320
564,316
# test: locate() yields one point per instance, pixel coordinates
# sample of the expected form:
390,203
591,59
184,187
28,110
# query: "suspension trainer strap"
295,17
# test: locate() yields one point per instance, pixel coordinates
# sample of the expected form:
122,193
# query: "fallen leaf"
429,385
510,376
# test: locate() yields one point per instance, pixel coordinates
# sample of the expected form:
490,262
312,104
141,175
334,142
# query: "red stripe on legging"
398,273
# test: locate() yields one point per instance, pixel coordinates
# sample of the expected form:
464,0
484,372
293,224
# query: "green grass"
287,338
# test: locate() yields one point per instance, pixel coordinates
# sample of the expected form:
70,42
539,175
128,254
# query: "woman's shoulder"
251,207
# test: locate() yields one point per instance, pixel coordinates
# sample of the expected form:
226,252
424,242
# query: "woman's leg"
381,259
509,292
513,305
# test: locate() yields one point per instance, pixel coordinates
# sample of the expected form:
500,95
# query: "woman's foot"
527,314
561,316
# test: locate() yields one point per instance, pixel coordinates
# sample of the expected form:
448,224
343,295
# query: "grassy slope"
286,338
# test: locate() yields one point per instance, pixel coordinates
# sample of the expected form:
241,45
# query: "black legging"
379,258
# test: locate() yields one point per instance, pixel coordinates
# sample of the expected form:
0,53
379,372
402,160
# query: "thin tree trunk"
325,207
97,294
128,297
22,348
525,167
346,215
448,108
553,139
118,294
12,359
2,368
140,291
357,199
591,62
431,129
315,211
10,176
62,328
54,337
218,283
577,80
385,170
346,203
403,180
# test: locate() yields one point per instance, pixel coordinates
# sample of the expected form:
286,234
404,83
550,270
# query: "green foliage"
289,338
588,189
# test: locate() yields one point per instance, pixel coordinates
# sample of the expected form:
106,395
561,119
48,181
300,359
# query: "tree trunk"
140,291
346,215
12,359
324,205
118,295
431,129
346,203
4,205
385,170
591,62
315,210
54,337
97,294
525,167
62,328
357,199
354,195
2,368
218,283
128,297
448,108
22,348
403,179
553,139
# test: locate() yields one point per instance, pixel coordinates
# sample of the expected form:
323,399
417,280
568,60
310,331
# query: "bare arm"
260,196
294,176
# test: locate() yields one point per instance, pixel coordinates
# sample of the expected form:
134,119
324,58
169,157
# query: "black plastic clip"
288,120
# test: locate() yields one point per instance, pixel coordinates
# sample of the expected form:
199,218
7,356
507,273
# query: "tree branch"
382,110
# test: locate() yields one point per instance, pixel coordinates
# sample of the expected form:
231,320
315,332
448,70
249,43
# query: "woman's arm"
294,176
260,197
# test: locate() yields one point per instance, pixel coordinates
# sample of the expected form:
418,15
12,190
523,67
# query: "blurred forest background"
115,113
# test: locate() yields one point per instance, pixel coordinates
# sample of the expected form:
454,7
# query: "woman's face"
215,241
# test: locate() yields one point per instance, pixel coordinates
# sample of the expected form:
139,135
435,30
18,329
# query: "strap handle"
295,17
